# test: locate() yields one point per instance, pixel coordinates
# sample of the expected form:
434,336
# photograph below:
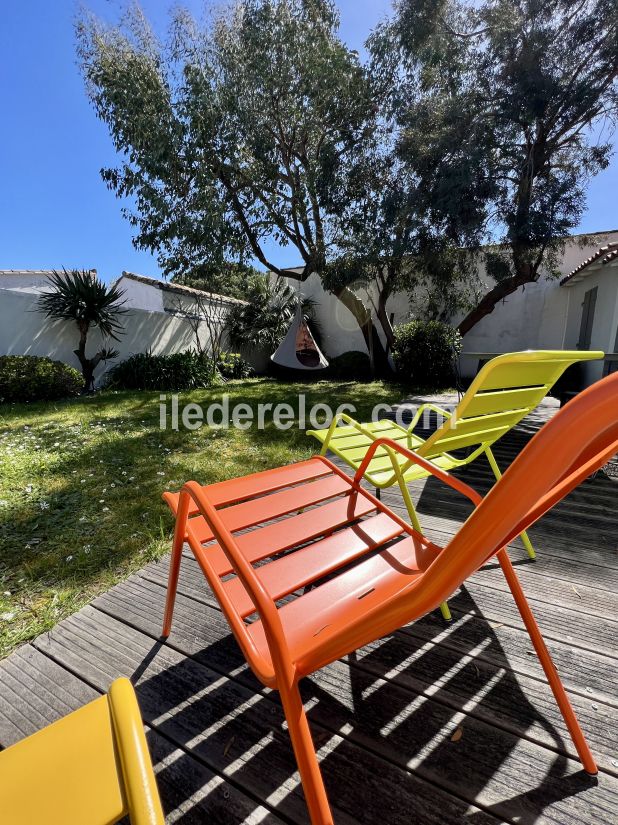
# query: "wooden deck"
435,724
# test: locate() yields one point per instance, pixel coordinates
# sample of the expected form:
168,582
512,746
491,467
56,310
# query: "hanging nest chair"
298,350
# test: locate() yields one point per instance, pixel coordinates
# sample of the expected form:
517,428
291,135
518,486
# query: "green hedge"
425,353
144,371
32,378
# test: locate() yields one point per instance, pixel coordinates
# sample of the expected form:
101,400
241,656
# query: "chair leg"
444,608
306,758
496,470
172,581
548,666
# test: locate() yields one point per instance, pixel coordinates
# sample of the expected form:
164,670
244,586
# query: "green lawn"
81,484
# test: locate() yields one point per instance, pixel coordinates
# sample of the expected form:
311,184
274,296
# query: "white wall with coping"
24,331
534,317
138,295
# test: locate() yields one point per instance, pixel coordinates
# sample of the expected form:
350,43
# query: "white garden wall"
534,317
24,331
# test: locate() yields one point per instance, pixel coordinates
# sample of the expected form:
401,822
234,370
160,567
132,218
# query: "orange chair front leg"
306,757
549,667
180,536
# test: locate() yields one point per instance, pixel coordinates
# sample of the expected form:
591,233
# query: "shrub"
145,371
233,365
352,365
31,378
424,353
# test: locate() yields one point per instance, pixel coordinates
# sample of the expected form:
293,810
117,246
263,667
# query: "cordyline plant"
79,296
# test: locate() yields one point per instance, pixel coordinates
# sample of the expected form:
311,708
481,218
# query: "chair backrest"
90,768
575,443
506,389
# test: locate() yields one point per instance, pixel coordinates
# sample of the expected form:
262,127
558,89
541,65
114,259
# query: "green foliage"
233,133
350,366
498,105
233,365
263,321
236,135
31,378
226,278
78,295
425,353
145,371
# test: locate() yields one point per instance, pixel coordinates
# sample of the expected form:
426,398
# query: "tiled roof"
29,272
605,253
179,288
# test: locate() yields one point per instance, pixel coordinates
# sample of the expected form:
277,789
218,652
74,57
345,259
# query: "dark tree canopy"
472,122
505,109
233,135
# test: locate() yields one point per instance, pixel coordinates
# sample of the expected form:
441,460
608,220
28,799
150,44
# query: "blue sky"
54,208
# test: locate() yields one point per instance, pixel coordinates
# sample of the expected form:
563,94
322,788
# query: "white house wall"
605,278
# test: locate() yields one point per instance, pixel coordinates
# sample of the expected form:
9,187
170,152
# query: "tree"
212,312
79,296
233,279
234,135
500,107
263,321
386,243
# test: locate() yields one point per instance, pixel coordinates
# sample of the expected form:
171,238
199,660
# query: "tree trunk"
385,321
375,348
488,303
88,365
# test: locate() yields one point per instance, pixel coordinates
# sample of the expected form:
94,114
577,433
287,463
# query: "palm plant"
79,296
263,321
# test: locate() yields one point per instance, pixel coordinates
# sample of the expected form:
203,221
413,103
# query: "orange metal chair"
371,571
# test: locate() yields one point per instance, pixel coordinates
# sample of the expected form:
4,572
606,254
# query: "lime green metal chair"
505,390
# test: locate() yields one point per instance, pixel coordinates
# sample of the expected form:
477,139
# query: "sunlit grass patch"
81,484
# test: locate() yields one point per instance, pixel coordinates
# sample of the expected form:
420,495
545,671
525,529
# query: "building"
547,314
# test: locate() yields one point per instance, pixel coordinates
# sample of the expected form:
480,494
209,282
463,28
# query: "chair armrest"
262,600
421,410
393,446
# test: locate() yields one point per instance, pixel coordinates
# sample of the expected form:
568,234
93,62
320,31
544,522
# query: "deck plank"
235,730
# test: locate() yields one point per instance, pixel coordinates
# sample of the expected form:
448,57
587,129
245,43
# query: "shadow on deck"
434,724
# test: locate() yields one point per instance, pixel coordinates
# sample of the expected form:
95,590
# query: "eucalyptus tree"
506,110
232,135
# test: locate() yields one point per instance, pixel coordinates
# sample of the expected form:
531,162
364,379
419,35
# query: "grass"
81,483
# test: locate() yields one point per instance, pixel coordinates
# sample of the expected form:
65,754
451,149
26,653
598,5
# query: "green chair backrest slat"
505,390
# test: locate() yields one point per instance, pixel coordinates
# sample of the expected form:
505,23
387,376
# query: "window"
588,307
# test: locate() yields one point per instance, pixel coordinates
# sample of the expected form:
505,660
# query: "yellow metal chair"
90,768
505,390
